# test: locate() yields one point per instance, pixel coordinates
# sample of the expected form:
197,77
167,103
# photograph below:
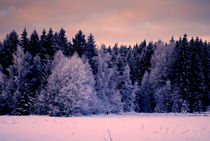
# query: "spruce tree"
51,45
163,97
106,84
9,46
90,52
144,63
183,73
2,93
126,90
79,43
43,45
144,100
24,82
63,43
35,47
24,42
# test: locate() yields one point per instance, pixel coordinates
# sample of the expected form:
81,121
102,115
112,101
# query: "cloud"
123,21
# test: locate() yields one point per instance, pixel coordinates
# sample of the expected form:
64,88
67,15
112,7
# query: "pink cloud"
110,21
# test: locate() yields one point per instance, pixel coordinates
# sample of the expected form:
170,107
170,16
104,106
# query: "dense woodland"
48,74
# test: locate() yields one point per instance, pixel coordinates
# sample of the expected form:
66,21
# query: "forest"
48,74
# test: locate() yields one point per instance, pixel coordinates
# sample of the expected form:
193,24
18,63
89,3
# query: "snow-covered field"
130,127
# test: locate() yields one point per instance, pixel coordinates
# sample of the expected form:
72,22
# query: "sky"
110,21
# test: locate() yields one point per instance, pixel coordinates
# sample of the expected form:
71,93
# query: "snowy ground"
133,127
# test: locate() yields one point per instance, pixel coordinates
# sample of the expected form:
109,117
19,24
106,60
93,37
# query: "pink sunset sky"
111,21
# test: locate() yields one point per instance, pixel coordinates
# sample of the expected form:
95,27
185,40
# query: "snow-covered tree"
13,81
2,92
154,81
159,62
107,92
123,84
127,91
1,79
163,97
70,89
145,96
23,83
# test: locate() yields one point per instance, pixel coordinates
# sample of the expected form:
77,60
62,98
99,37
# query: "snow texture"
129,127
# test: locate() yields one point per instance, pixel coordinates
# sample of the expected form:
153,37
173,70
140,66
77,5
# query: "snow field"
136,127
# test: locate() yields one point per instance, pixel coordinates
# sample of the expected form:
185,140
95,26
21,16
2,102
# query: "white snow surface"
125,127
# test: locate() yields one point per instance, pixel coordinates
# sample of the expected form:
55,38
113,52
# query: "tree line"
49,75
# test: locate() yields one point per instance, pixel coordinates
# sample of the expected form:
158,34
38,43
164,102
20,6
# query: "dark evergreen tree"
51,45
8,48
79,43
158,76
114,53
24,42
45,59
144,100
90,52
123,51
123,85
43,43
64,45
135,61
144,64
183,73
204,55
2,92
35,47
206,62
25,76
198,76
